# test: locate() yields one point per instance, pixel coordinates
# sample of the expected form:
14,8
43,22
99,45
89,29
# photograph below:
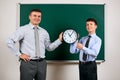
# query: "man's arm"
11,41
52,46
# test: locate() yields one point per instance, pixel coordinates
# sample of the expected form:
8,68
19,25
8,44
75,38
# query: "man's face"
35,18
91,26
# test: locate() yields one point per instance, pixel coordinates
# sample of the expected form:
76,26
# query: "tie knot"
35,28
89,36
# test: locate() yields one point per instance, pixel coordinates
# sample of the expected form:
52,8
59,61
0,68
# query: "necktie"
37,48
86,45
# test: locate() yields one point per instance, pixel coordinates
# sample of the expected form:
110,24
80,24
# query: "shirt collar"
92,35
32,26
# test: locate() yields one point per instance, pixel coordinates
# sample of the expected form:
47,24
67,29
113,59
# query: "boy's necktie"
86,45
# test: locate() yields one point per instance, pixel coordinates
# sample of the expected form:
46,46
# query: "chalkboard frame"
74,60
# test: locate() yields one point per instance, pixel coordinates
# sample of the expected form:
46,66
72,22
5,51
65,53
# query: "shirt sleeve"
73,48
12,39
51,46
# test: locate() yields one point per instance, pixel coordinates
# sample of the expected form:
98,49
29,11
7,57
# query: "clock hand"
71,33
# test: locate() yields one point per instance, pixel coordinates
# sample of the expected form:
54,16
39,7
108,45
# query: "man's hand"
25,57
60,36
79,46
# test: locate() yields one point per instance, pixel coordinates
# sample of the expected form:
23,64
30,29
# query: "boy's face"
91,26
35,18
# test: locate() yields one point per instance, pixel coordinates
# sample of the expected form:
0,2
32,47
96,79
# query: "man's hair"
35,10
92,19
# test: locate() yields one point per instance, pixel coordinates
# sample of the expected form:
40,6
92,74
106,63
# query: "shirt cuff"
84,48
18,54
58,42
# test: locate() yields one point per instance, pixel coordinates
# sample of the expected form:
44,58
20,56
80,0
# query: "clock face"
70,36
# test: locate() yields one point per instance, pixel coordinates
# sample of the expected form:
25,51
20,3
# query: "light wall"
109,70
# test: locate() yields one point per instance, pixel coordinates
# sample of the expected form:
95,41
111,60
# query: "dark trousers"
33,70
88,71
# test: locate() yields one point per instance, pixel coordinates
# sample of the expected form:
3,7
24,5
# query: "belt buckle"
40,59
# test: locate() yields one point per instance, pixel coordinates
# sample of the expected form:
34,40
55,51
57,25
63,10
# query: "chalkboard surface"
56,18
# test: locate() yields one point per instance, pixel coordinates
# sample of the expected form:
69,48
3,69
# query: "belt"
88,62
37,60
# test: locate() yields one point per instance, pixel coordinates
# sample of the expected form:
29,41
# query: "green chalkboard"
59,17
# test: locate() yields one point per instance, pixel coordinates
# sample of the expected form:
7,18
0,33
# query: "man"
88,47
33,42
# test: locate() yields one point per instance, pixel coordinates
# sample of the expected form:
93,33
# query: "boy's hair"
35,10
92,19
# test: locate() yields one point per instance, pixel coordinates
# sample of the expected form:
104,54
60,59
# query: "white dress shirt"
25,34
92,51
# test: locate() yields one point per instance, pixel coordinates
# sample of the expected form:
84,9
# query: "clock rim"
66,41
